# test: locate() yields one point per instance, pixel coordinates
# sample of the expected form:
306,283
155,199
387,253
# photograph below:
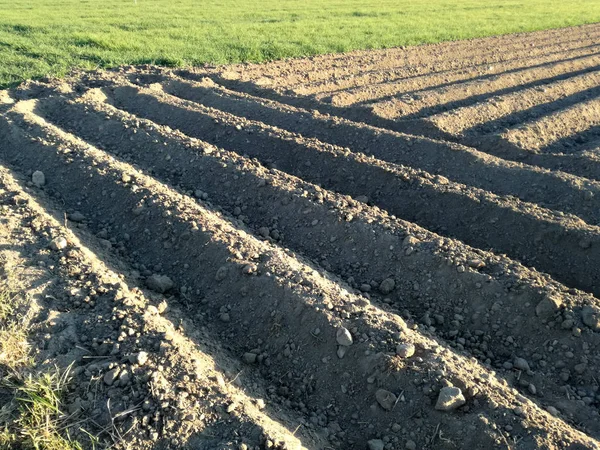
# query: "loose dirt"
395,249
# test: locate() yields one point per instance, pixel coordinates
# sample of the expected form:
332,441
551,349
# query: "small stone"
410,445
159,283
552,410
375,444
249,269
76,217
591,317
386,399
124,378
38,178
231,408
58,243
343,337
450,398
111,376
387,286
476,263
546,308
138,358
221,273
249,357
405,350
341,351
522,364
567,324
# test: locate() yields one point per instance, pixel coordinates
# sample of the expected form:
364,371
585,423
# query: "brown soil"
312,252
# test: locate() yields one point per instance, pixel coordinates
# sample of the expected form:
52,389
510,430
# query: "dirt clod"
159,283
38,178
386,399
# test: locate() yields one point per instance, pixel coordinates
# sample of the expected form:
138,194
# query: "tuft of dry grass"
34,418
31,417
14,348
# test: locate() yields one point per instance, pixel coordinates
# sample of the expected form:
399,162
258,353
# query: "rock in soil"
159,283
450,398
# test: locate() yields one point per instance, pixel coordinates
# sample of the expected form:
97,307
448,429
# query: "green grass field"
48,37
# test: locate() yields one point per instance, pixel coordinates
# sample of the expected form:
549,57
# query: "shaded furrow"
554,243
426,102
584,164
99,303
413,85
559,131
339,241
518,107
227,259
552,190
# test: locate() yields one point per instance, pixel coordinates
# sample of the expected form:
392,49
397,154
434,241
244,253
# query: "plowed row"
309,221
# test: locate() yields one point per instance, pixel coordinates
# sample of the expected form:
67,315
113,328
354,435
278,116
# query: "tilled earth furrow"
584,164
518,107
297,313
478,64
471,215
558,132
447,56
110,337
340,239
387,249
554,190
409,103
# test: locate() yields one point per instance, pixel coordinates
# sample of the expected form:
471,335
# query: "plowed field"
387,249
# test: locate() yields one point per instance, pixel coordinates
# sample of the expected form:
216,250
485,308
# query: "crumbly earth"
381,250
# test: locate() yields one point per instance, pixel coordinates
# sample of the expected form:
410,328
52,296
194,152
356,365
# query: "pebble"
159,283
343,337
386,399
521,364
387,286
405,350
76,217
138,358
38,178
410,445
375,444
111,376
548,307
58,243
221,273
450,398
591,317
250,358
